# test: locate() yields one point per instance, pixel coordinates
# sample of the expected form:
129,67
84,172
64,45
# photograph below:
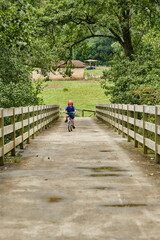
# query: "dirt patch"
53,86
86,81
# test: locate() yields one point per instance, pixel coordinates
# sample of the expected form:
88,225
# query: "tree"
74,21
97,48
17,27
136,81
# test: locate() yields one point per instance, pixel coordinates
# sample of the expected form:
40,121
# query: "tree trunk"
127,44
125,27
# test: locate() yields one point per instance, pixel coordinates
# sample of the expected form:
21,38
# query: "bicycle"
70,123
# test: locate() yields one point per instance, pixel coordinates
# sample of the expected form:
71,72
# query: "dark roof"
75,63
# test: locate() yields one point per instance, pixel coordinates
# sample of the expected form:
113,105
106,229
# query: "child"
70,111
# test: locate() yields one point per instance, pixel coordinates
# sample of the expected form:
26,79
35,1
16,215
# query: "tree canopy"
97,48
17,29
74,21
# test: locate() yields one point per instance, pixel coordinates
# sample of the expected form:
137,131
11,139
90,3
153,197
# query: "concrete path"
78,186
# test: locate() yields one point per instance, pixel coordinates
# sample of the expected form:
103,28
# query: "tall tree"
17,28
74,21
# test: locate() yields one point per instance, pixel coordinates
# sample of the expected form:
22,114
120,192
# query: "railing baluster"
2,138
13,134
144,131
135,127
157,136
22,129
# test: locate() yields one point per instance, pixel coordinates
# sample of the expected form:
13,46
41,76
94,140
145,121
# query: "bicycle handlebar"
68,112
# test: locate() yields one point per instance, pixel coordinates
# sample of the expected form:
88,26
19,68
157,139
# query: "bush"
136,81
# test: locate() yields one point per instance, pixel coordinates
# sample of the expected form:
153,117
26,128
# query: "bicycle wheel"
69,126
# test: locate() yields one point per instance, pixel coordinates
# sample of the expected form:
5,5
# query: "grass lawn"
85,94
96,72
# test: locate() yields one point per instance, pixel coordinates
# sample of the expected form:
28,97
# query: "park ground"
85,93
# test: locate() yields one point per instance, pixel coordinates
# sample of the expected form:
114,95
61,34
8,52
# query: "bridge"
80,185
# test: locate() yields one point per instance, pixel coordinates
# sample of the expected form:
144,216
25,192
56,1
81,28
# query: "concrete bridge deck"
78,186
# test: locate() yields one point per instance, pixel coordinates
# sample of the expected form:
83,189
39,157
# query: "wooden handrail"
84,110
134,121
25,123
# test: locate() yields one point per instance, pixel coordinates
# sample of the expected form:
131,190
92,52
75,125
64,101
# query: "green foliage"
65,90
74,21
18,94
16,160
99,49
136,81
17,29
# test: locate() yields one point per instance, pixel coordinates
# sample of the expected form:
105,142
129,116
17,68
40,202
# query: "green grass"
97,72
84,94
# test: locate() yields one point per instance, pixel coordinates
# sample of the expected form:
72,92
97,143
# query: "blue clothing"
70,110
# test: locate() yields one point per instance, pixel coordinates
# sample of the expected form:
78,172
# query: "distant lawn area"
96,72
85,94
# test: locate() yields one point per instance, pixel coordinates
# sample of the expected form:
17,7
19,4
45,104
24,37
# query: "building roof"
75,63
91,60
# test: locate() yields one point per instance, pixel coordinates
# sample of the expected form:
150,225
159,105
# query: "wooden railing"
82,111
86,110
18,125
138,122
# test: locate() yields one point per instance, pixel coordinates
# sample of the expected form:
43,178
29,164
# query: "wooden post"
82,113
2,138
48,117
157,136
13,134
123,122
111,116
28,126
22,129
109,109
106,115
45,119
36,121
114,119
144,130
33,135
119,132
41,119
128,124
135,127
54,114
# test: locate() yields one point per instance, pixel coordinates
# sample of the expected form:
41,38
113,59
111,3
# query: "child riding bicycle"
70,112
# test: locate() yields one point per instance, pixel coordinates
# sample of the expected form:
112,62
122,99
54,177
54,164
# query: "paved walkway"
78,186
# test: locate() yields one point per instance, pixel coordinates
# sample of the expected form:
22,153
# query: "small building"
91,64
77,71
